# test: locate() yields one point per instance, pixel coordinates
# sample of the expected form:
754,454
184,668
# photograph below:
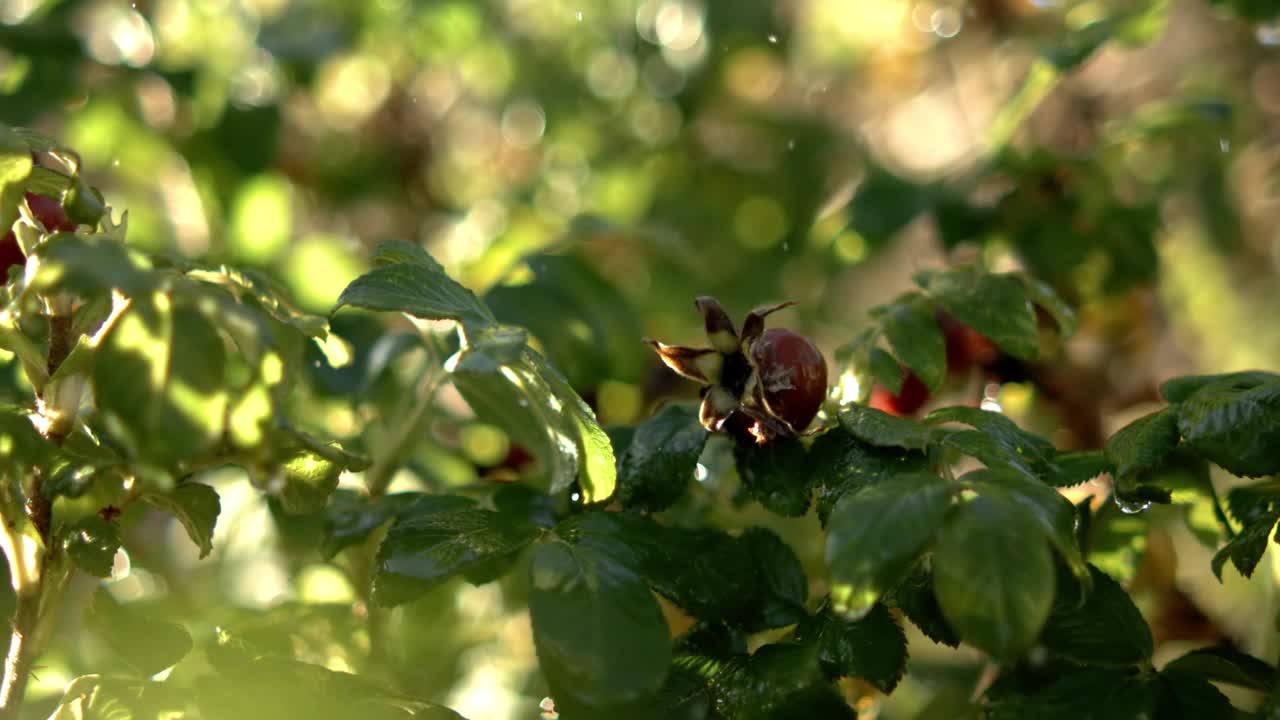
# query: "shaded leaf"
873,648
350,517
148,645
196,506
1235,423
91,544
1187,696
840,463
916,598
1055,515
1143,444
1225,664
876,534
996,306
439,536
776,475
880,428
1089,694
993,575
599,634
1107,629
660,460
913,332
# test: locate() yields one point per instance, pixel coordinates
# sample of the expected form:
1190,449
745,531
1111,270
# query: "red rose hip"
50,213
791,376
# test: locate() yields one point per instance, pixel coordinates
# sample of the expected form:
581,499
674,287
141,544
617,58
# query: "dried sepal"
717,405
719,327
754,324
700,364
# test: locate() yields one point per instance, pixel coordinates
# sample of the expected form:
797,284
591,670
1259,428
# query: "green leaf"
1088,694
913,332
997,441
876,534
119,698
248,683
406,279
660,461
779,585
1106,630
350,517
885,203
1042,295
916,598
91,264
1245,550
91,544
440,536
996,306
1055,515
753,581
994,575
161,373
15,166
599,634
873,648
840,463
1225,664
776,475
880,428
145,643
309,480
1187,696
508,384
1143,444
196,506
1235,422
1181,388
1072,468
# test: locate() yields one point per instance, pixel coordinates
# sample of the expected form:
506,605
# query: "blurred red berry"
10,253
913,396
50,213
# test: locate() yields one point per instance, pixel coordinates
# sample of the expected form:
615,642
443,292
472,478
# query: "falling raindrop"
791,144
773,39
1268,33
579,16
1224,144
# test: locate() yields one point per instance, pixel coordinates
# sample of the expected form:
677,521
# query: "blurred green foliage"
587,169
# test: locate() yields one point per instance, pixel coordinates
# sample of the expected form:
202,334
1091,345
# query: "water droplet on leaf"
1132,507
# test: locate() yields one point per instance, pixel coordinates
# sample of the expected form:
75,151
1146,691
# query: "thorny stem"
22,653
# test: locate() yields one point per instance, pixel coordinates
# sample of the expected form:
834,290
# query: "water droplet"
1224,144
579,16
773,39
853,603
700,473
1132,507
575,497
791,144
